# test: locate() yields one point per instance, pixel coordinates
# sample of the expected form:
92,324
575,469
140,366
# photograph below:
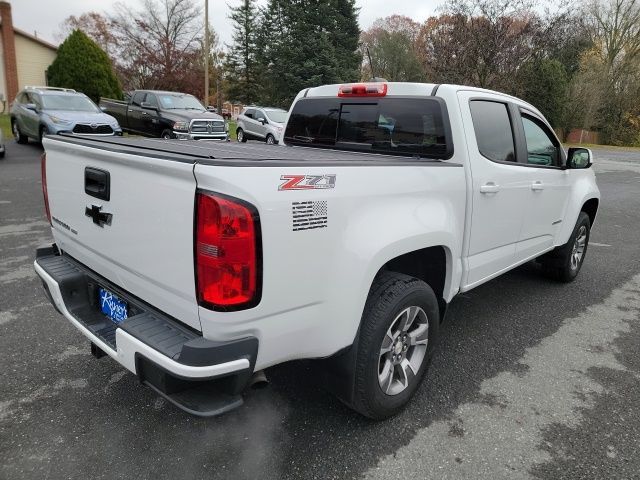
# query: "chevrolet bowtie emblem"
98,217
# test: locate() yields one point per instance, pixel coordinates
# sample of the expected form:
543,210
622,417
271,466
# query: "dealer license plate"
112,306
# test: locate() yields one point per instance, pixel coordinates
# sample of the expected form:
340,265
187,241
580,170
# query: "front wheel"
19,136
240,136
271,140
564,263
397,336
167,134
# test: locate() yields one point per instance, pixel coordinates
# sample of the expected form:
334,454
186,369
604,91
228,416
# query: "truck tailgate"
146,246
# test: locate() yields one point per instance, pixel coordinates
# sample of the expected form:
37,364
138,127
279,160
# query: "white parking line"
596,244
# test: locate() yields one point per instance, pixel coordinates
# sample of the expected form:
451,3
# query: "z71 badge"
307,182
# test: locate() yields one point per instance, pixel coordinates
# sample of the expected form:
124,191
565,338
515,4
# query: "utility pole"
206,53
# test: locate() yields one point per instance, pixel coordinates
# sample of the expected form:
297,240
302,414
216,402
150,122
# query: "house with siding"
24,58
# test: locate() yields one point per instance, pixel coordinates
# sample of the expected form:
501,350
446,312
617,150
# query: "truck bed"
242,154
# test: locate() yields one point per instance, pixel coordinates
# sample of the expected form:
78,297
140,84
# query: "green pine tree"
306,43
82,65
241,66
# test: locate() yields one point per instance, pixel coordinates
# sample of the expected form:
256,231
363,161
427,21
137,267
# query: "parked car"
261,123
155,113
197,267
38,111
2,147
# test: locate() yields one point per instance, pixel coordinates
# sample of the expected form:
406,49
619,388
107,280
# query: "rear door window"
397,126
249,113
138,98
493,130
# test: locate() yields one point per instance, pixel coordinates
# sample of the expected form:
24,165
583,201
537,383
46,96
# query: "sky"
45,16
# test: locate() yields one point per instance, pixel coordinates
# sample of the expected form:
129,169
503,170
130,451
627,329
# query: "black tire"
20,137
240,136
2,154
166,134
271,140
43,131
558,264
390,295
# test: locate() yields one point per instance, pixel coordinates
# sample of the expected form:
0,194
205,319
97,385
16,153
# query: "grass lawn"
232,130
5,125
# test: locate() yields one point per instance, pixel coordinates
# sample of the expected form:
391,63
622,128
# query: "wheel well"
590,207
427,264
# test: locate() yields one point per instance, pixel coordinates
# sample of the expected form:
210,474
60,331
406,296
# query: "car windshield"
170,101
277,116
395,126
72,103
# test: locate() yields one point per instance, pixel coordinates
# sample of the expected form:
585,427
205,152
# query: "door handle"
490,188
130,110
537,185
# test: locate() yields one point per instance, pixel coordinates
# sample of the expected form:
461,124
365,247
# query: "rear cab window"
417,127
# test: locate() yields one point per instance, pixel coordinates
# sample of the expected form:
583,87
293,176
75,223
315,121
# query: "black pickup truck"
155,113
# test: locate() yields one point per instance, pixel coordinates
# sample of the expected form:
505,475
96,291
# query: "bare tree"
160,45
391,45
479,42
95,25
614,27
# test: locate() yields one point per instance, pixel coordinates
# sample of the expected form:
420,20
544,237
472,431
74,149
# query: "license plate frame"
112,306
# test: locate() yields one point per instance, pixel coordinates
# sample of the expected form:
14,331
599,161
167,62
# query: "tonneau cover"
236,154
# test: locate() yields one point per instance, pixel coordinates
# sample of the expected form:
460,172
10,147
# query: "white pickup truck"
197,266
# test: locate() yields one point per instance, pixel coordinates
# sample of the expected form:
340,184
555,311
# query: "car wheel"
19,136
240,136
166,134
2,153
564,263
271,140
397,336
43,131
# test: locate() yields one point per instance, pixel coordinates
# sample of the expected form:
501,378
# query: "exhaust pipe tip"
258,380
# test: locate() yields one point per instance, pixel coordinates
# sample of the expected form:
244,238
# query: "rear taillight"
45,194
227,252
363,90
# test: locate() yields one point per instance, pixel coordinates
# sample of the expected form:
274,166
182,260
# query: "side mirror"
262,120
31,106
103,108
148,106
578,158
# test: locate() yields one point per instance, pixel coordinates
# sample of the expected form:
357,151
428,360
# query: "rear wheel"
240,136
271,140
564,263
19,136
397,336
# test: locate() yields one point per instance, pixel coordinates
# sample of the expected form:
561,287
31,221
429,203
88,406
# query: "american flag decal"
309,215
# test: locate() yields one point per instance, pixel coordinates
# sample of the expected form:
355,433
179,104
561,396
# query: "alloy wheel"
403,350
578,247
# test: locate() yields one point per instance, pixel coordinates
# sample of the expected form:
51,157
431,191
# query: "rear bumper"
174,360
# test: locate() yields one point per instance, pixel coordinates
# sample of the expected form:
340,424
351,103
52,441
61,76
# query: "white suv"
260,123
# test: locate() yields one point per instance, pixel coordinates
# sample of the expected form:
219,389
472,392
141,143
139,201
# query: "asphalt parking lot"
532,379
